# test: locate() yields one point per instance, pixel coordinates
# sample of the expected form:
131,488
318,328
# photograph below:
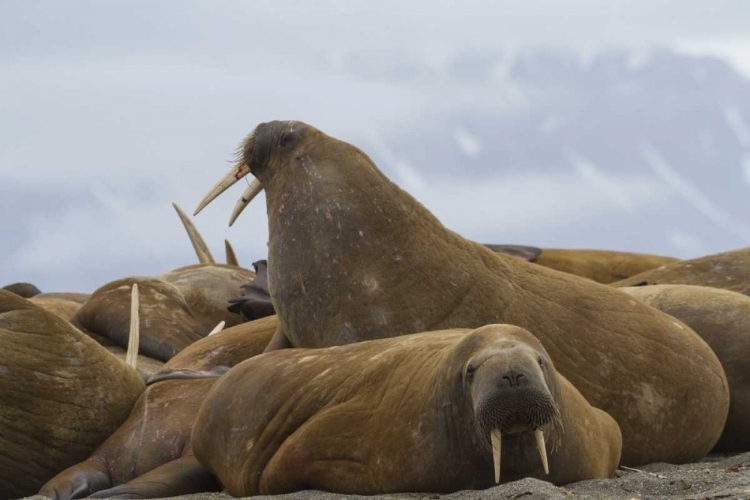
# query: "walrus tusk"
231,256
217,328
496,449
199,245
228,180
542,449
131,357
251,192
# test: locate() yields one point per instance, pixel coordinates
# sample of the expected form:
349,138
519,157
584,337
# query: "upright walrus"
428,412
352,257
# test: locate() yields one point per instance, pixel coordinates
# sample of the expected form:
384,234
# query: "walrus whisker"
542,450
217,328
497,442
251,192
199,244
239,171
131,357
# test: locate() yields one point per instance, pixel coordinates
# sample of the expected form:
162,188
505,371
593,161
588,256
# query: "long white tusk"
251,192
131,357
231,256
228,180
496,449
542,449
199,245
217,328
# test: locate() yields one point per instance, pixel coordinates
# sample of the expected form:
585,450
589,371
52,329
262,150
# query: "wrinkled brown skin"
25,290
722,319
226,348
63,308
146,366
149,456
78,298
386,416
208,288
729,271
352,257
602,266
166,322
61,395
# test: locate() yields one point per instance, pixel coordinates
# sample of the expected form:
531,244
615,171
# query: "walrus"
25,290
167,322
602,266
728,270
722,319
78,298
61,395
150,456
64,308
208,287
352,257
429,412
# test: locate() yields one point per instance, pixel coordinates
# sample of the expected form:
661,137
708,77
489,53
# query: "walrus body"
602,266
208,288
722,319
408,414
728,270
64,308
25,290
227,348
167,323
352,257
149,455
61,395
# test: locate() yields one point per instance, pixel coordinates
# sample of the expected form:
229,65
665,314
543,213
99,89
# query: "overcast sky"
111,110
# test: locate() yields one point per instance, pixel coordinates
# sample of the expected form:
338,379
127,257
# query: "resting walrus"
352,257
728,270
430,412
722,319
61,395
602,266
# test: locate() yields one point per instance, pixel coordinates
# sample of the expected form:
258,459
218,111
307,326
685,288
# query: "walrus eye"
288,138
541,362
470,372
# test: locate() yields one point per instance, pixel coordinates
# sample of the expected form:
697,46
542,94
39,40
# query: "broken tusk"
496,449
228,180
231,256
199,245
542,449
131,357
217,328
251,192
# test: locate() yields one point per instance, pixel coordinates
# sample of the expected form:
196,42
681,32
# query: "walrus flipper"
279,341
255,302
520,251
180,373
78,481
178,477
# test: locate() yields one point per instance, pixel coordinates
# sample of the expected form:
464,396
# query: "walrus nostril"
514,379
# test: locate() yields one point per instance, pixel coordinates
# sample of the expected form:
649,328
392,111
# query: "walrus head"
267,145
508,378
25,290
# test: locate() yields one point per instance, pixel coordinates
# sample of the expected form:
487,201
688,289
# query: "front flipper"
78,481
278,341
521,251
179,477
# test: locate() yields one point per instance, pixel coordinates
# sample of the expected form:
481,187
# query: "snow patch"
686,245
692,195
551,124
594,175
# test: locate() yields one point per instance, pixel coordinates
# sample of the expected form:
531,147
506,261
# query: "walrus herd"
375,351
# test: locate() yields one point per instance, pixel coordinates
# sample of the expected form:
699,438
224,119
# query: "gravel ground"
717,476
